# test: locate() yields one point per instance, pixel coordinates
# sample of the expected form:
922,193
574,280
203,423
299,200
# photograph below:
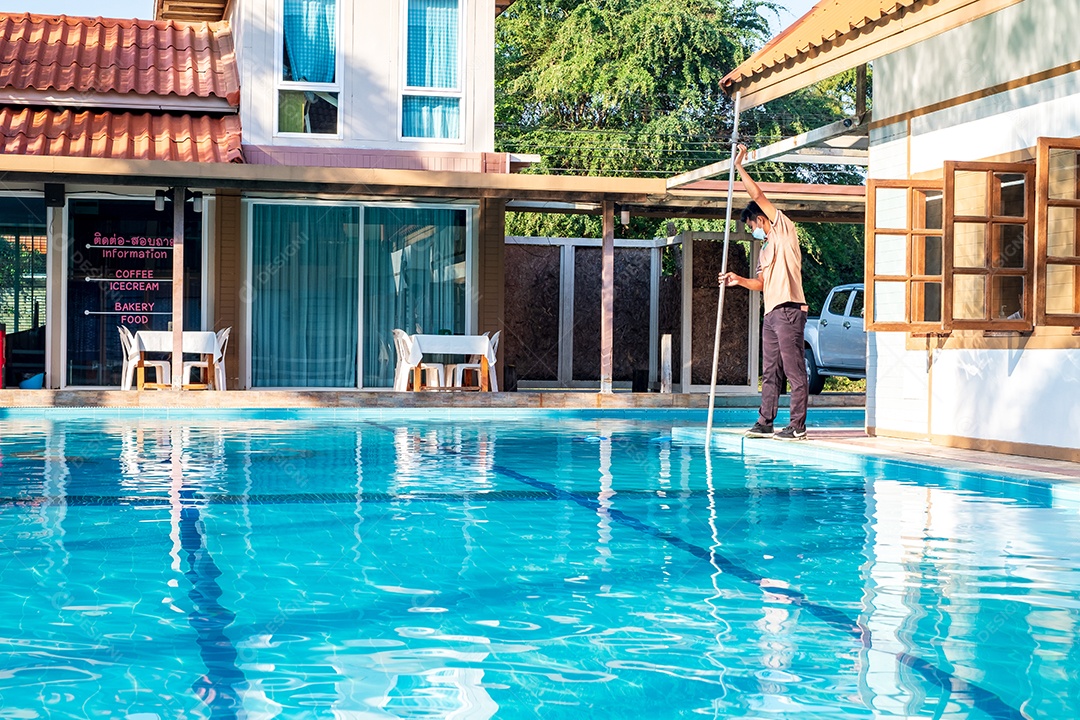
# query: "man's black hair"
752,212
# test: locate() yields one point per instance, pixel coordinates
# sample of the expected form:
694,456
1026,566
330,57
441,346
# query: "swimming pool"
543,564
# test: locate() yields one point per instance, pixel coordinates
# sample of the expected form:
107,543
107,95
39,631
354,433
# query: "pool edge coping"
914,456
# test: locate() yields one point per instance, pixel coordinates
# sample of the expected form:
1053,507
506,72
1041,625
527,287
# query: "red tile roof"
144,57
131,136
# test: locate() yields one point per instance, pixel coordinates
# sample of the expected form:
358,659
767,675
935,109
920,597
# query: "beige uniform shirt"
780,265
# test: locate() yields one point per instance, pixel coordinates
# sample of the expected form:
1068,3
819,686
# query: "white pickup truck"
836,342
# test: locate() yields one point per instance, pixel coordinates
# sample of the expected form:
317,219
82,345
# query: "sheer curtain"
310,38
431,117
305,295
432,62
414,279
433,44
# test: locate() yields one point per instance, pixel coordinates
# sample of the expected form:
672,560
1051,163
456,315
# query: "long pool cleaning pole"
723,269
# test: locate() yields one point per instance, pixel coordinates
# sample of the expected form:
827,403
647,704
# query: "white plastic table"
453,345
195,342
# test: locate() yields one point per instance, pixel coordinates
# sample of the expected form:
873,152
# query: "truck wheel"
815,381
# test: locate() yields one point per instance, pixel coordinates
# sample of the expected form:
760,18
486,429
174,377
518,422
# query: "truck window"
838,304
857,304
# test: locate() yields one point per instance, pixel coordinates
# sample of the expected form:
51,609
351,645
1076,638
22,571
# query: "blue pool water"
373,565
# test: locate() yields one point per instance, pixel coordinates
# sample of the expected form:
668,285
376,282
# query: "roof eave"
191,10
775,71
642,195
214,10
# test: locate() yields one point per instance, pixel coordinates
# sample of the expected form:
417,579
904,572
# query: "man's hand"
740,155
730,279
751,187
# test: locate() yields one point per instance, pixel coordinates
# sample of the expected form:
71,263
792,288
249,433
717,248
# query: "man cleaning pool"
779,279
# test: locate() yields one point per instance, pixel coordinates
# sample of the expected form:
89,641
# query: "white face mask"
758,234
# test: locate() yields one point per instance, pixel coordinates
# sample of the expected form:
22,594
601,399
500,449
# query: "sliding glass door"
310,299
304,295
120,272
414,279
23,287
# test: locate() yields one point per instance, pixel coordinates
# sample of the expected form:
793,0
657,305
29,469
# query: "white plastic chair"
219,366
460,369
162,369
403,345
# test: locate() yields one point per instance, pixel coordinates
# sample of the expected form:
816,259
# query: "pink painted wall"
368,158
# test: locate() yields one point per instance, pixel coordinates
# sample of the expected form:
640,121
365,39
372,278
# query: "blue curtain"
433,44
414,279
310,39
431,117
305,295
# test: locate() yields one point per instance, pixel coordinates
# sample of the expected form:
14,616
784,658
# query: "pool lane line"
218,688
387,497
952,685
982,699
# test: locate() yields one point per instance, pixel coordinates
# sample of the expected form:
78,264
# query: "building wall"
1020,396
1019,41
372,51
992,104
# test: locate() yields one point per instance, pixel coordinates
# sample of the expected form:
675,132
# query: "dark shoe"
760,430
790,433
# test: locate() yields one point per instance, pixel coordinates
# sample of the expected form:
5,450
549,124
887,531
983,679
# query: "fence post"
665,363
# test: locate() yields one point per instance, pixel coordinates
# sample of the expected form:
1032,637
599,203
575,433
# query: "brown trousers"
783,354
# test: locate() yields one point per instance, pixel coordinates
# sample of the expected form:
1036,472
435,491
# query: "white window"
309,85
432,99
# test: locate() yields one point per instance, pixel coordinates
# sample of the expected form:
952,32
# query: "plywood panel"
531,338
734,331
631,316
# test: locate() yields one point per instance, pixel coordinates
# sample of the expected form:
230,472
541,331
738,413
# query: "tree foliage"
8,264
632,87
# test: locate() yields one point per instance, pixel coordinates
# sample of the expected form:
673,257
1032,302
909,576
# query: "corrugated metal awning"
837,35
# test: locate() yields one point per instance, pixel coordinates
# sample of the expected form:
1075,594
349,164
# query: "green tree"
8,262
631,87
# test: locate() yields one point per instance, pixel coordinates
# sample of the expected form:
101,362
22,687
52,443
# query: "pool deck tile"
852,441
288,399
852,448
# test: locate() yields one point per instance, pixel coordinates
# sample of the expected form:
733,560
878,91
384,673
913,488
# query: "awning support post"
607,297
723,269
179,197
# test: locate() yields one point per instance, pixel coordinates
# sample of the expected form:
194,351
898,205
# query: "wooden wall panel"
491,285
228,306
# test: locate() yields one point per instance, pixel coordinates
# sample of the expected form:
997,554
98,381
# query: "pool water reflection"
550,566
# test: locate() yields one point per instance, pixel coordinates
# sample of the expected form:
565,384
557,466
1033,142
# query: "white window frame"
414,91
281,84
